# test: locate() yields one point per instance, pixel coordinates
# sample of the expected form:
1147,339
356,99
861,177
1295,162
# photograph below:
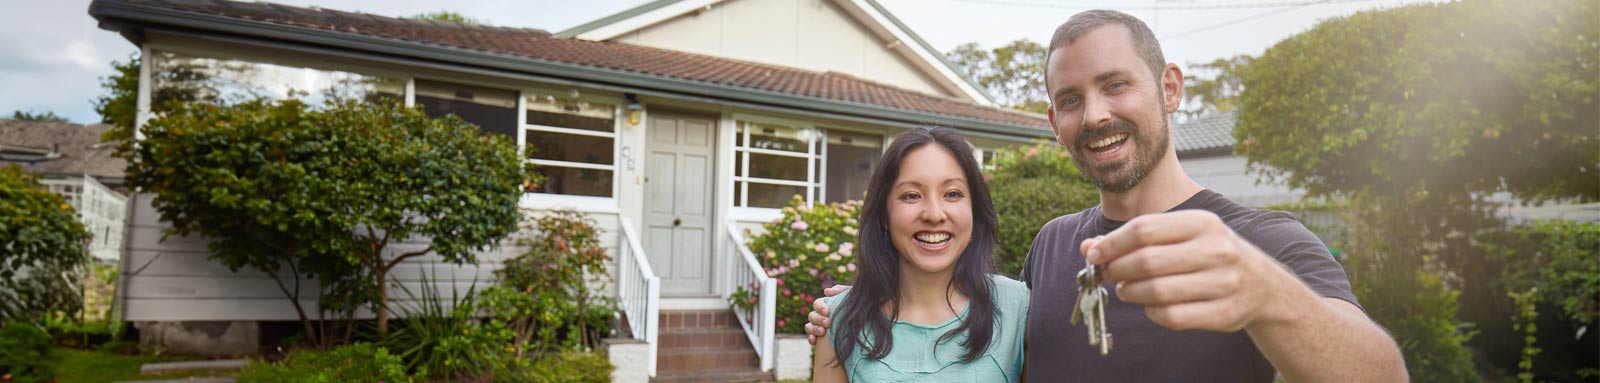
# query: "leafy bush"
42,250
359,362
1390,275
1032,185
564,367
544,295
441,338
806,250
324,191
25,354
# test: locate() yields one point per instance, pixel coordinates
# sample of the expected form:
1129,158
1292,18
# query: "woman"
925,307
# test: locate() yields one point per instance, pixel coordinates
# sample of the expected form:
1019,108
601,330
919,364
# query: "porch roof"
539,52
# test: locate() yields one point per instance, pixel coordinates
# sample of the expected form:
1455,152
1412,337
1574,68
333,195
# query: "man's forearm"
1317,339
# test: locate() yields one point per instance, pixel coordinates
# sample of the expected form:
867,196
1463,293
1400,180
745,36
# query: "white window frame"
590,204
814,153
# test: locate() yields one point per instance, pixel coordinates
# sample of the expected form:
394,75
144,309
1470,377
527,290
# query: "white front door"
678,207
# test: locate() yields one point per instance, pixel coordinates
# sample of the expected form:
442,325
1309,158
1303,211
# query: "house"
676,125
71,161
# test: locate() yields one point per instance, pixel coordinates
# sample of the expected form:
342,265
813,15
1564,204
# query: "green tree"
1032,185
446,16
120,105
1435,101
43,249
37,116
338,185
1218,92
1012,73
1416,116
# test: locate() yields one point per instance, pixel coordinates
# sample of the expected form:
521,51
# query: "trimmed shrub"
360,362
1032,185
43,250
564,367
25,354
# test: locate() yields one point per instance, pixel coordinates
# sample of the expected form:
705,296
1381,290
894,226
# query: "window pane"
184,78
777,137
493,110
575,181
549,111
738,164
571,147
851,158
777,167
769,196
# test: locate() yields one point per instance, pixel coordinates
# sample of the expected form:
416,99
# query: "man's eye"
1116,85
1070,102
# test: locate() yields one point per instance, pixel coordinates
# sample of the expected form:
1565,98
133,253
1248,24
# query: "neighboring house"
676,125
72,162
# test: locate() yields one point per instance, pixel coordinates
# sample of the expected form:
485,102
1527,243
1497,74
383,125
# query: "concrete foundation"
205,338
631,357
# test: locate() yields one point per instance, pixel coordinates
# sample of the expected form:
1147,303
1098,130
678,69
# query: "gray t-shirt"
1058,351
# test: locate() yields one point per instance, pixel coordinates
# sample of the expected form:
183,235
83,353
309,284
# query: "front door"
678,226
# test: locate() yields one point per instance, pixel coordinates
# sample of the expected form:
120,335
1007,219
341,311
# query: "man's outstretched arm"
817,322
1191,272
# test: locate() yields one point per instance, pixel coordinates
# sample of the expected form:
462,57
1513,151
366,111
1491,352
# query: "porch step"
705,346
726,376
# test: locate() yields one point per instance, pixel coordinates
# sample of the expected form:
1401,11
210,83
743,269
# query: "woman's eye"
910,197
953,194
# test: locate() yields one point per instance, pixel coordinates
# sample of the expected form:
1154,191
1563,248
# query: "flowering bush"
806,250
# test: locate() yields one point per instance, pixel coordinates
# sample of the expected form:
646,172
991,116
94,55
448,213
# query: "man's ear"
1172,87
1052,113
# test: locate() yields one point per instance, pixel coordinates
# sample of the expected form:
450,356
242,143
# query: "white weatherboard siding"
808,34
174,280
1230,176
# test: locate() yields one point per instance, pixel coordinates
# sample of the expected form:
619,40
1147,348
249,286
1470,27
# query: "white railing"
639,291
744,272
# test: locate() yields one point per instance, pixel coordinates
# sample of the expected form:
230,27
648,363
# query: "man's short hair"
1082,23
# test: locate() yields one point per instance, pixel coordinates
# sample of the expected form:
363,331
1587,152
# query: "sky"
52,54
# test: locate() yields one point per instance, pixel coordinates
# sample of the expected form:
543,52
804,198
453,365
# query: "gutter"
149,15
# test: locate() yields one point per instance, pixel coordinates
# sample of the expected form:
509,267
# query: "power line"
1158,7
1235,21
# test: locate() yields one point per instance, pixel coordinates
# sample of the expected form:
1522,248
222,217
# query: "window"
851,158
773,163
574,144
186,78
492,110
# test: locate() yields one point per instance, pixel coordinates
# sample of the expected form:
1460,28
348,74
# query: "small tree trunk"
382,274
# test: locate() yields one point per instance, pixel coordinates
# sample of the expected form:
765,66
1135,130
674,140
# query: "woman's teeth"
933,237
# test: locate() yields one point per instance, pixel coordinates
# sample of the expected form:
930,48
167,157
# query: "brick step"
750,375
697,319
707,338
706,360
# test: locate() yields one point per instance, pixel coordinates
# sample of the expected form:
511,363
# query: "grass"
85,366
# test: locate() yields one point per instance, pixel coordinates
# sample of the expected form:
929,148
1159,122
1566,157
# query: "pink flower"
781,322
851,231
847,249
799,225
787,292
813,271
779,281
850,267
794,263
821,248
772,272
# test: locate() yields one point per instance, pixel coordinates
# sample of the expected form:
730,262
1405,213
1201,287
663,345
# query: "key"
1091,308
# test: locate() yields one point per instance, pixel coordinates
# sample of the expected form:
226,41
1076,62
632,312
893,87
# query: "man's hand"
818,323
1192,272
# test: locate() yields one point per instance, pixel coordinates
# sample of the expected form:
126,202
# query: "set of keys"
1092,308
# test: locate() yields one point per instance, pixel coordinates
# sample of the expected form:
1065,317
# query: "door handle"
677,221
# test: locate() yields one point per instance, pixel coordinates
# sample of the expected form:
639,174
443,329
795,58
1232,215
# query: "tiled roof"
1207,133
79,146
538,44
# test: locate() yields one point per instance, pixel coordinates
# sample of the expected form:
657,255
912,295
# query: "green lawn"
83,366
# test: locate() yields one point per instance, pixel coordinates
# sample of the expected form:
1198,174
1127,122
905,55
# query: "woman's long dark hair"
878,283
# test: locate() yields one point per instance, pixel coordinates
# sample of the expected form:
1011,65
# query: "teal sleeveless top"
918,356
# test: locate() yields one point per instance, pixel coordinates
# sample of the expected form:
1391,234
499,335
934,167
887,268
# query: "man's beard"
1121,176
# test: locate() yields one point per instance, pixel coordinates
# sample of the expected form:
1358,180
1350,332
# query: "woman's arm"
823,370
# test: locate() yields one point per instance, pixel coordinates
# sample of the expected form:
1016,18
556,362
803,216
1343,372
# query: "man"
1180,258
